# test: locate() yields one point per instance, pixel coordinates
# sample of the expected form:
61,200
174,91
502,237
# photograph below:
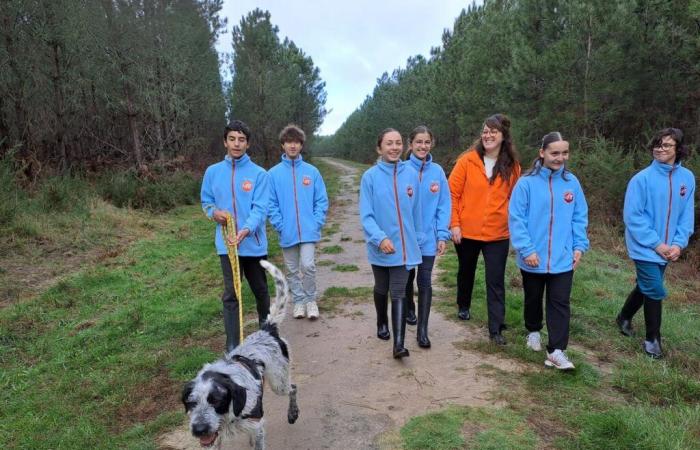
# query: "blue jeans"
301,271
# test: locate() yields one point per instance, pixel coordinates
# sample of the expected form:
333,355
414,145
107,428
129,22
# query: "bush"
66,194
10,194
159,194
118,188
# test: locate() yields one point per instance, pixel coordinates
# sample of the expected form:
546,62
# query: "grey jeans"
301,271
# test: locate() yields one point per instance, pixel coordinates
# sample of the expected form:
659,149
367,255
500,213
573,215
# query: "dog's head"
210,400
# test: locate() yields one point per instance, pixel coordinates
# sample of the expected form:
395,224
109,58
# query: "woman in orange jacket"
480,184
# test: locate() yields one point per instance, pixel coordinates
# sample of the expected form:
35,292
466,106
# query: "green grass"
345,268
332,250
617,397
97,360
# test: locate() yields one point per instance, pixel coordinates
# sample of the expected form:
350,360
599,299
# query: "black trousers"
558,286
391,280
495,256
257,280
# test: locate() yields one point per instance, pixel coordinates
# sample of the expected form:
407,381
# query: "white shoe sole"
549,363
534,348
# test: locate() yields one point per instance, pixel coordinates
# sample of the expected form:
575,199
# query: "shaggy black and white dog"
226,396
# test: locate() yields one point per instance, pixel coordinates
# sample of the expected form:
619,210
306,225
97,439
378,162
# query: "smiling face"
236,144
292,149
421,145
665,152
491,139
555,155
390,147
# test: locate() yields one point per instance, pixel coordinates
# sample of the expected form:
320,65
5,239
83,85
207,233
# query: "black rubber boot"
634,301
380,304
410,305
425,298
231,326
652,321
398,323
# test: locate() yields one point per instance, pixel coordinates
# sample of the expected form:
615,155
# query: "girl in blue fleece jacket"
390,215
658,215
436,207
298,206
548,217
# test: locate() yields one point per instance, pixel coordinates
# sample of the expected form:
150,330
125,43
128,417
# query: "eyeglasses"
665,146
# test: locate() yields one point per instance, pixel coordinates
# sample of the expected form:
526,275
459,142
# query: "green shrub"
160,194
118,188
10,195
66,194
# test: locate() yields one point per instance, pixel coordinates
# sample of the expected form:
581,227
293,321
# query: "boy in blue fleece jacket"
436,210
659,216
298,206
390,216
548,217
239,187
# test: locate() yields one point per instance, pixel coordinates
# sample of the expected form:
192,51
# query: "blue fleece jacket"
298,201
390,208
248,184
659,208
548,215
435,202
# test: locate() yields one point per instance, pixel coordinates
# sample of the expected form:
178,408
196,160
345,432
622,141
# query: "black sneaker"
625,326
463,314
498,339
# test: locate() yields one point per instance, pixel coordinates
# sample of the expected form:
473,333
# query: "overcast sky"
352,42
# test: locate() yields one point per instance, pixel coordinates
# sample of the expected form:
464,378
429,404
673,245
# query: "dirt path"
352,393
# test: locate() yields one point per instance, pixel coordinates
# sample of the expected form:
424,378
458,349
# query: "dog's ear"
237,394
186,391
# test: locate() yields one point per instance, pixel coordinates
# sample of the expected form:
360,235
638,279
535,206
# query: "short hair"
239,126
292,133
682,150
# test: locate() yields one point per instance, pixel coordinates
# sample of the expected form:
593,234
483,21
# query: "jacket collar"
239,162
297,161
389,167
664,168
546,172
419,163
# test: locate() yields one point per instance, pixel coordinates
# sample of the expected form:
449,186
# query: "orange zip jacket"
480,209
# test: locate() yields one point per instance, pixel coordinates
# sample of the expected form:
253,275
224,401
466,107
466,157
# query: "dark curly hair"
682,150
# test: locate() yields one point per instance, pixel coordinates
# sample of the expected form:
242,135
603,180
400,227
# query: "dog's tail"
278,306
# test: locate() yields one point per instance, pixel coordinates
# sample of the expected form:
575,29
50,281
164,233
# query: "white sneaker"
312,310
299,311
533,341
559,360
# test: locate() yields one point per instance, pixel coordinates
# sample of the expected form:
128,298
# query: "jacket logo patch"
568,196
247,186
306,181
409,191
434,187
684,190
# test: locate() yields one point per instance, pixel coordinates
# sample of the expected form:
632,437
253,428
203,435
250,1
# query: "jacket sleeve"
456,181
274,213
320,200
373,234
261,199
686,219
638,225
444,210
579,221
518,208
207,194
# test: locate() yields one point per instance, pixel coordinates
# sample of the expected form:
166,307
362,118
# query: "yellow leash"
229,232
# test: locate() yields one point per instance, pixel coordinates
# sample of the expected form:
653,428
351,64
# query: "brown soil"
352,394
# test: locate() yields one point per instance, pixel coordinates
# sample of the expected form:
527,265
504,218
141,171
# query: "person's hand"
663,250
386,246
441,247
242,235
219,216
577,257
674,253
532,260
456,235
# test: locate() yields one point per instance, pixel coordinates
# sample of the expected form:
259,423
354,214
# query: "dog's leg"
293,411
260,437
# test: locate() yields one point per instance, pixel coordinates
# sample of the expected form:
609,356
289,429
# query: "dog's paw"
293,414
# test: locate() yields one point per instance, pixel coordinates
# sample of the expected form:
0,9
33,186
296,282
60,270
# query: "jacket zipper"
296,204
398,212
670,203
551,222
233,191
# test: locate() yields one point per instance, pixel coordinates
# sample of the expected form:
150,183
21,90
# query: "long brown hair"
508,156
